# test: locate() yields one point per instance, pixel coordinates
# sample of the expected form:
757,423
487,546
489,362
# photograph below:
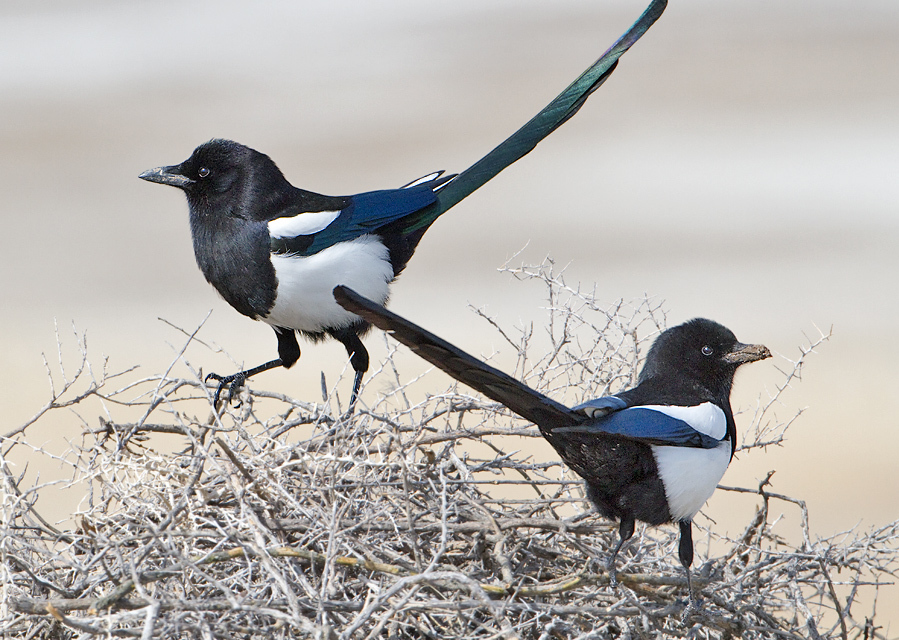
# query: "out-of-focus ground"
741,164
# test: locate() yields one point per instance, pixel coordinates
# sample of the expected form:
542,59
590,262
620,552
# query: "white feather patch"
305,284
707,418
301,224
422,180
690,475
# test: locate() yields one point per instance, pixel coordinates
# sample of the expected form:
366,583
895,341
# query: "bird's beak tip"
165,175
745,353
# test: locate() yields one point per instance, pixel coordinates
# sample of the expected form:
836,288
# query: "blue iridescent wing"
366,213
646,424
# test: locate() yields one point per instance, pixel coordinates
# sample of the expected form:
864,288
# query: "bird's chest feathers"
233,255
690,476
305,299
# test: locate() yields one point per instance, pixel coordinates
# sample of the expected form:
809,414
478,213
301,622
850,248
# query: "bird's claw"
693,609
234,382
613,575
613,579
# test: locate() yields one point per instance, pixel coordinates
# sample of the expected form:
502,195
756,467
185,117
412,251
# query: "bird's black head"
222,176
700,352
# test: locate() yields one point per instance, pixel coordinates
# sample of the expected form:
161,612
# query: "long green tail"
544,123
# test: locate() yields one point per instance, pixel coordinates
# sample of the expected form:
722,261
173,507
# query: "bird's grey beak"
743,353
166,175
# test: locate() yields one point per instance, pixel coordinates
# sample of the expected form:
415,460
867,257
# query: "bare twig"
416,517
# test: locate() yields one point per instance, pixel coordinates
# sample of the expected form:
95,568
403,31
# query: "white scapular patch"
301,224
597,412
422,180
690,475
305,284
707,418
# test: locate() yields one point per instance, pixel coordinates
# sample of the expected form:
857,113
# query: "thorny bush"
420,516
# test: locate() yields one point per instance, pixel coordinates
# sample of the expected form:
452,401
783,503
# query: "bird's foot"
693,607
234,382
692,610
613,574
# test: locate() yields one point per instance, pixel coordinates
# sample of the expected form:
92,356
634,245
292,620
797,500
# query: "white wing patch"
305,283
301,224
707,418
690,475
596,412
422,180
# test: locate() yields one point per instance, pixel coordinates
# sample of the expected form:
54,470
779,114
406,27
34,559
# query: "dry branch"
282,518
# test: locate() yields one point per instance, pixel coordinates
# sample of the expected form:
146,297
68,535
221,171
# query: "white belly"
305,300
690,476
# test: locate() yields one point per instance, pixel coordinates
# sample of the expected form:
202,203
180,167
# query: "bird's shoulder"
687,419
301,230
373,209
304,212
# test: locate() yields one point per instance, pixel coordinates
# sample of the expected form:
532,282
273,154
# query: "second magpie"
653,453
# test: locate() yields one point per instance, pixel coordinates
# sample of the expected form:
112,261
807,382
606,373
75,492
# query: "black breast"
233,254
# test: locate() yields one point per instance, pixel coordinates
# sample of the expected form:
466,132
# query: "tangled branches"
412,518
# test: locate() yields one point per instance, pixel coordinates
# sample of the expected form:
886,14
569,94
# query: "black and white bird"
653,453
275,252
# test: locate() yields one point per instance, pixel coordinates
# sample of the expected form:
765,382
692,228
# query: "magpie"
654,452
275,252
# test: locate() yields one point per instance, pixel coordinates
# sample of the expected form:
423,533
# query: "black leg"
357,383
288,347
625,531
288,350
358,357
685,553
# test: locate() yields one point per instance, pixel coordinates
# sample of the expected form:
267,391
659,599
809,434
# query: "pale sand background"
741,164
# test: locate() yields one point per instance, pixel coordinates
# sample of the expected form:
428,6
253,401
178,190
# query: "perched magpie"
654,453
275,252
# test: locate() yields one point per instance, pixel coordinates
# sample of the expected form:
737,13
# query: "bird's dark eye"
707,350
203,172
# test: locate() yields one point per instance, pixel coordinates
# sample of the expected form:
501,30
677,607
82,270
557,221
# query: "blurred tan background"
741,164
